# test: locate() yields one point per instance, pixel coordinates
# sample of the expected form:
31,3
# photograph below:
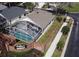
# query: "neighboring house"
12,14
2,7
2,20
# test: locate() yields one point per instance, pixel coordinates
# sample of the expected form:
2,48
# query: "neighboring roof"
12,12
7,38
41,18
2,7
2,21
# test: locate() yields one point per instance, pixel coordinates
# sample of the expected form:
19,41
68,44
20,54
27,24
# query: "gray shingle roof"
41,18
12,12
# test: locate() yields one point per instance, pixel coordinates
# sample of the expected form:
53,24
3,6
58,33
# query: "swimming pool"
23,36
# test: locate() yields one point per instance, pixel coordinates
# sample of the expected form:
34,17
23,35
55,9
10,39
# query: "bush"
60,45
59,18
65,30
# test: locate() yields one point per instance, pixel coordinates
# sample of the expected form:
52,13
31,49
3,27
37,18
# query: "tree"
65,30
36,4
60,45
46,5
13,4
59,18
61,11
28,5
70,5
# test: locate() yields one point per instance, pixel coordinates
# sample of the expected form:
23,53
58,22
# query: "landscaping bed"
58,52
48,37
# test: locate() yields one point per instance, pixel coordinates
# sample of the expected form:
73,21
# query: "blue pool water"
23,36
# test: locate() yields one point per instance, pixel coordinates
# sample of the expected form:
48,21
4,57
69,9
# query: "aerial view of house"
39,29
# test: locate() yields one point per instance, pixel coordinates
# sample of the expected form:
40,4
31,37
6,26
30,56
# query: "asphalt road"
73,45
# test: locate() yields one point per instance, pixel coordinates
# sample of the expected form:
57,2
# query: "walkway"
53,45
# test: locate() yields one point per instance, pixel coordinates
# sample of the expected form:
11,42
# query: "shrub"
65,30
59,18
60,45
28,5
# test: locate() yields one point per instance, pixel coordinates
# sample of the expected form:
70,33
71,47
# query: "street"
73,45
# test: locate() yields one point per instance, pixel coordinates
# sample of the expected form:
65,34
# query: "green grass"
48,37
74,8
57,53
50,32
30,53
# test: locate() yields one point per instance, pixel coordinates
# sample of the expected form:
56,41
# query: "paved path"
53,45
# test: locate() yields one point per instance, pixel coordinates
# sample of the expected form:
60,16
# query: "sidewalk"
53,45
